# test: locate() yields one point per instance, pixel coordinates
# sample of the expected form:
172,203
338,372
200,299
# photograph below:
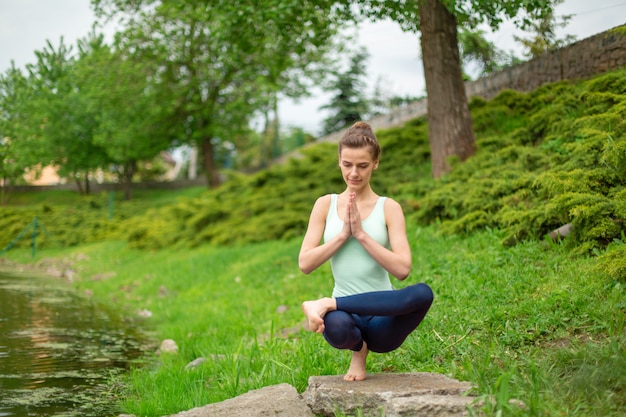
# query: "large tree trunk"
449,120
210,168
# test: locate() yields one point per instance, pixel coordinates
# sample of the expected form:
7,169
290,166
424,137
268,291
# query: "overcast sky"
26,25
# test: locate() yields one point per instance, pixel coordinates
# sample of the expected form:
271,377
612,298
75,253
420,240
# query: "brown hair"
360,135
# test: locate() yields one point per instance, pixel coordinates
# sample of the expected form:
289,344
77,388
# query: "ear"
376,165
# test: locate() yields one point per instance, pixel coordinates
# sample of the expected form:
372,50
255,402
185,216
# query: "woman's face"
356,167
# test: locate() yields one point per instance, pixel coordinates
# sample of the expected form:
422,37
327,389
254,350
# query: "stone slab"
280,400
377,395
430,406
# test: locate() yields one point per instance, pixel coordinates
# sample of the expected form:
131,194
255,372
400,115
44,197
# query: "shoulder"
324,200
322,204
391,204
392,208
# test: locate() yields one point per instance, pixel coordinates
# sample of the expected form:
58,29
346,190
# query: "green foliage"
544,159
543,35
348,103
612,262
474,48
547,158
69,219
212,66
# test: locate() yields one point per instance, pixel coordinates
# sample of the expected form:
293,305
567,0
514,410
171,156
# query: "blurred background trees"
192,77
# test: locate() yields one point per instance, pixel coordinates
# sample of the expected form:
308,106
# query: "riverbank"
60,353
524,322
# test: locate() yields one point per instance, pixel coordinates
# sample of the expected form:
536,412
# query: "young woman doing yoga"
364,237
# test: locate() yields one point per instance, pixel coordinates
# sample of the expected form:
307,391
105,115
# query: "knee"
339,330
424,294
419,296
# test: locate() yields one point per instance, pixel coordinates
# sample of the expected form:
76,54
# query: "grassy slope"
530,322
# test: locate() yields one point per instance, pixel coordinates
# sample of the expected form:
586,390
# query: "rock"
562,231
276,401
103,276
144,313
195,363
70,274
431,406
391,395
163,291
167,346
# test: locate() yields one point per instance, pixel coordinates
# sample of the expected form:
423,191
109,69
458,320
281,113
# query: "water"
59,352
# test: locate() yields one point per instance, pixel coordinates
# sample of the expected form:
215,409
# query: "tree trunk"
79,185
127,178
213,177
87,183
449,120
6,190
2,187
276,130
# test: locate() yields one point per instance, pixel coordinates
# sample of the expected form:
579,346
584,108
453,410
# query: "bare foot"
357,371
315,312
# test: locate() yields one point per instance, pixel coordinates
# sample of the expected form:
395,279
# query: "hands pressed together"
352,220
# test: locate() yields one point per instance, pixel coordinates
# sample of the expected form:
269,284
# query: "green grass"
531,322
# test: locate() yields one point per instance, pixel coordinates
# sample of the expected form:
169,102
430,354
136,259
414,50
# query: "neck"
362,194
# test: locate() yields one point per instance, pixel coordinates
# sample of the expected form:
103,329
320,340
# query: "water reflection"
59,351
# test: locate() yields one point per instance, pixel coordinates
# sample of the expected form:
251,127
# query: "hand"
354,216
346,231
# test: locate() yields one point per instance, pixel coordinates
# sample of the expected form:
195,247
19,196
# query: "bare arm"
313,252
396,261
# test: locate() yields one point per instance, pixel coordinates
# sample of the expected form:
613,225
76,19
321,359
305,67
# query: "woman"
364,236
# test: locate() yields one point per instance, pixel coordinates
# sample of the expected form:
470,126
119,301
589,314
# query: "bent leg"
341,331
413,299
396,314
387,333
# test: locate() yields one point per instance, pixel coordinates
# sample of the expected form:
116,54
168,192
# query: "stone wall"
583,59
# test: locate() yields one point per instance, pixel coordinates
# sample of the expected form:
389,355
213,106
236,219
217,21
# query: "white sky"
26,25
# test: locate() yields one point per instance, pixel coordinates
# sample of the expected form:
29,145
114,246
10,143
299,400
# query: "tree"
450,124
116,86
220,61
475,48
20,129
449,121
349,103
67,124
544,36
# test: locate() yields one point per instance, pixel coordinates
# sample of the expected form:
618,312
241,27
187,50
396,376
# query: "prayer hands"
352,220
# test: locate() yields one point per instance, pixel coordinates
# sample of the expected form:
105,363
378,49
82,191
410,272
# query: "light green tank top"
354,270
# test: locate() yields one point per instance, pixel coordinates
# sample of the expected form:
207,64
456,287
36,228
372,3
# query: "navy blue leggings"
382,319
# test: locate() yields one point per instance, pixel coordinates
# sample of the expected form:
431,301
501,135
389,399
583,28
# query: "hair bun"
361,125
360,135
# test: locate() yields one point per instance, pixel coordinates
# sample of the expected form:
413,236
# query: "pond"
59,352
